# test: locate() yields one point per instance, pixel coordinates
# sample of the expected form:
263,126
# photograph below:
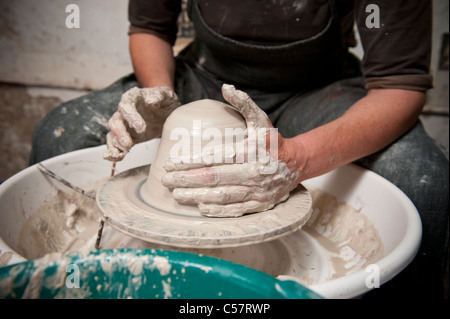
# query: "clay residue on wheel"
344,239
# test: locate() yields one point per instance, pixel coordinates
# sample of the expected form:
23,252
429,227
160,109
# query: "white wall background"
38,49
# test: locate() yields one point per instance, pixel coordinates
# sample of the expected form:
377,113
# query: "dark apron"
296,65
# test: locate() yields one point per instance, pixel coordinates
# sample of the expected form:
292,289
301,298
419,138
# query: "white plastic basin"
391,212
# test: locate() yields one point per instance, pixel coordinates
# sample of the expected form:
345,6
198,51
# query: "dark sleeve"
157,17
397,54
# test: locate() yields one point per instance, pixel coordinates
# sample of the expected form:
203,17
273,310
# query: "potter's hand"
140,117
231,190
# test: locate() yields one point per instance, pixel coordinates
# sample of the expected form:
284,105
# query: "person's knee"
78,123
69,127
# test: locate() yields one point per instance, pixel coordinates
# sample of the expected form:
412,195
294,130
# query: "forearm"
153,60
369,125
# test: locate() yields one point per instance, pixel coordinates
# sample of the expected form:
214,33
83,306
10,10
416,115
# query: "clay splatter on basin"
337,240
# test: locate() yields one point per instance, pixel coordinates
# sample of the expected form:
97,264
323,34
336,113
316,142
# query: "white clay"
207,113
227,188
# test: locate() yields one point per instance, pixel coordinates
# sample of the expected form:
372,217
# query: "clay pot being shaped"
190,127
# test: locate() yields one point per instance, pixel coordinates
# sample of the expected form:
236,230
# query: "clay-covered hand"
140,117
238,188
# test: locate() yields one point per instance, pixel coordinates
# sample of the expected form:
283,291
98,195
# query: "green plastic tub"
142,273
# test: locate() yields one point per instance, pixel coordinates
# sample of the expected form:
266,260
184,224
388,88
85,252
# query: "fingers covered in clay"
254,116
128,109
233,174
122,138
229,154
159,97
113,153
232,190
229,201
237,209
135,101
223,195
140,116
252,149
118,140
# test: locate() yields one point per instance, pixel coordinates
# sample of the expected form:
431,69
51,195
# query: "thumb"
254,116
128,110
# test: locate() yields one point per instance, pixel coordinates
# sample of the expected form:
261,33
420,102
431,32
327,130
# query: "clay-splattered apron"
295,65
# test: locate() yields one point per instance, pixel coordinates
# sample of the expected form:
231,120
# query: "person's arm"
396,70
142,111
369,125
153,60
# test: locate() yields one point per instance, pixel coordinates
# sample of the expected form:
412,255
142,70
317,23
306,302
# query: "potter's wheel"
123,207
